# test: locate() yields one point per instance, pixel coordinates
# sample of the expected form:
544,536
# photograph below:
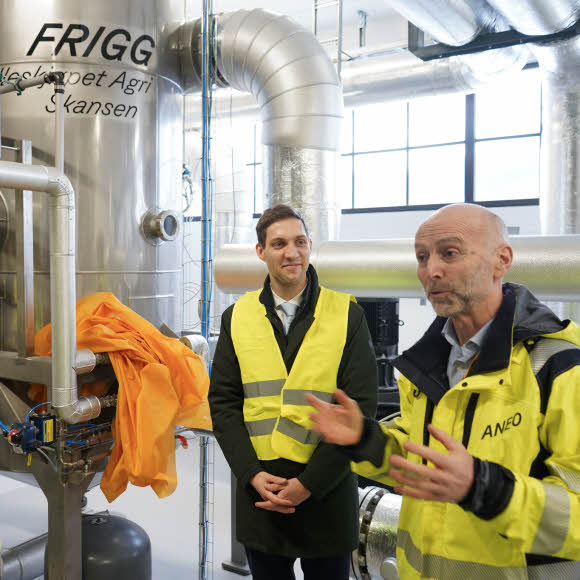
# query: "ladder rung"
329,40
325,4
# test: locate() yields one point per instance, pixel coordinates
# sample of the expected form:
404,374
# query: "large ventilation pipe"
538,17
548,265
398,75
454,23
300,99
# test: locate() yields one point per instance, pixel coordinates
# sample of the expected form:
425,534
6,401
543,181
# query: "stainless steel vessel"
123,148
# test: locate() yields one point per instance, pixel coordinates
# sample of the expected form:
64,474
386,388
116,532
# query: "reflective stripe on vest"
442,568
276,413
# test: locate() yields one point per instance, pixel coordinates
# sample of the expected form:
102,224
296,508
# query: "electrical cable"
33,408
48,459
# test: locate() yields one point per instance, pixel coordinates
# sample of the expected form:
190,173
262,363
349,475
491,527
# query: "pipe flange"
366,513
160,226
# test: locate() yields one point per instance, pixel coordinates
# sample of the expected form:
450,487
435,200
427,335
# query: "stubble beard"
455,304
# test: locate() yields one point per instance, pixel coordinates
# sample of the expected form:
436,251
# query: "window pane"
378,127
380,179
507,169
346,132
437,120
512,108
437,175
344,185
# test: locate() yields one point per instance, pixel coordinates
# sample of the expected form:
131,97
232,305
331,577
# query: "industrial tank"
123,148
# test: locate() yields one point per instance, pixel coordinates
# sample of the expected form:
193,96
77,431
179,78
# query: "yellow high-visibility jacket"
276,413
519,407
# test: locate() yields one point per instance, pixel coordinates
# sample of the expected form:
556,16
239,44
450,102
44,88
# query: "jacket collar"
309,298
520,317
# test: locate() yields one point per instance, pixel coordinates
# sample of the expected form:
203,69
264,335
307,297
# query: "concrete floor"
172,523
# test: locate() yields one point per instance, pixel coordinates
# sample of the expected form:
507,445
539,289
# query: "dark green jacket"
326,524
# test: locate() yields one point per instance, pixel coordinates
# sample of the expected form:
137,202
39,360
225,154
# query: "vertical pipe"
339,39
59,122
206,259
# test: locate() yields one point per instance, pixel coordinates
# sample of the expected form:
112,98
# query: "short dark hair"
275,214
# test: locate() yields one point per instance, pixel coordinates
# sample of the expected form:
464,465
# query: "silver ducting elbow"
289,73
64,395
300,98
299,95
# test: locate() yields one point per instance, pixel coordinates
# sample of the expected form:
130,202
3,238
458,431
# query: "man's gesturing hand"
449,480
267,485
341,423
294,492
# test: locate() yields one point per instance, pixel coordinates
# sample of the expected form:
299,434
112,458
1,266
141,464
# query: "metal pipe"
64,394
454,23
548,265
25,561
299,94
537,17
59,122
22,84
392,76
378,520
199,345
300,97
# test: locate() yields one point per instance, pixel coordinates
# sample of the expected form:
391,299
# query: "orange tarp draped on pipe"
162,383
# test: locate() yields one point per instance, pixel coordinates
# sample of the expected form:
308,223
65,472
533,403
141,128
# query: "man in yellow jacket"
486,451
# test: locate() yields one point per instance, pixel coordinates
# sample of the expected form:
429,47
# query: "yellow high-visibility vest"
276,413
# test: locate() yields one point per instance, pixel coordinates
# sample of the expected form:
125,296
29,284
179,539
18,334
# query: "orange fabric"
162,383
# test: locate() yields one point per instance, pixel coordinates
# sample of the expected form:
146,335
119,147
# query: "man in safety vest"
296,495
486,451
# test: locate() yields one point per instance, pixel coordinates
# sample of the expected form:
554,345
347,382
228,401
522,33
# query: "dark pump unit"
382,316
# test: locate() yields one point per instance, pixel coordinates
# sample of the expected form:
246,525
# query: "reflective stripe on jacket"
276,414
509,412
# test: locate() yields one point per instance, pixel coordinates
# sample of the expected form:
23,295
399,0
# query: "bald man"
486,451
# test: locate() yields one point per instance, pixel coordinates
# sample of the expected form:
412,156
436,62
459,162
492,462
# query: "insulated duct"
548,265
395,76
399,75
297,88
378,520
538,17
454,23
300,98
61,216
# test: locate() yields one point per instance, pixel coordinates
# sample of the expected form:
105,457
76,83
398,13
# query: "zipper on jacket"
468,421
428,418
